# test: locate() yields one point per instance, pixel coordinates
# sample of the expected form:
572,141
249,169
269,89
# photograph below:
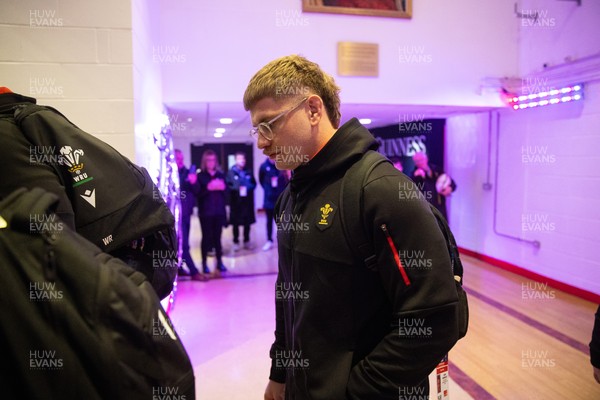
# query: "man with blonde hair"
345,331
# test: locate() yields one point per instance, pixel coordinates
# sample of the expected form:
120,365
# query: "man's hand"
446,191
275,391
420,172
192,178
597,374
216,184
219,184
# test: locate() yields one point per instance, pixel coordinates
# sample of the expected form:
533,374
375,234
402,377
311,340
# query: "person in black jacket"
187,180
241,185
344,331
426,176
211,189
273,182
19,160
42,148
595,346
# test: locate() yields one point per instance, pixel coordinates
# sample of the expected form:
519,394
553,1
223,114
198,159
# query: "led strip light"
549,97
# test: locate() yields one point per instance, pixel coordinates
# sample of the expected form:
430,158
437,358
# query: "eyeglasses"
264,128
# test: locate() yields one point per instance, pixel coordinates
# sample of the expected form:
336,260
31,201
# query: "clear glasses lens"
266,131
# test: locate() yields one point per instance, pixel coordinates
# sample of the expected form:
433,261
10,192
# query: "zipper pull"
396,255
50,270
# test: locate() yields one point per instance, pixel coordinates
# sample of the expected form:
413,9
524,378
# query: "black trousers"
212,228
270,221
185,243
236,233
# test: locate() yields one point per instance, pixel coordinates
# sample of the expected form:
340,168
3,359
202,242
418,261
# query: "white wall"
465,41
564,31
76,56
147,83
560,189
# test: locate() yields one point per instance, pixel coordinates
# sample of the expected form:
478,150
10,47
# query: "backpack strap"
351,205
457,266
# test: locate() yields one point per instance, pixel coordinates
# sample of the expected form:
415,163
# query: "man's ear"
315,108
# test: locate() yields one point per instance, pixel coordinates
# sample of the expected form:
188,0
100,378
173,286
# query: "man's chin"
285,166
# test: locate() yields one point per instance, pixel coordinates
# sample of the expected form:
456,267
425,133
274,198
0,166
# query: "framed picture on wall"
378,8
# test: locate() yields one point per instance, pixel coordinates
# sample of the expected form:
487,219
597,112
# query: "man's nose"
261,142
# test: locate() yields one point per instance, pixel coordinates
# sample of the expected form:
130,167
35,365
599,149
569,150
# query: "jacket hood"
345,147
11,99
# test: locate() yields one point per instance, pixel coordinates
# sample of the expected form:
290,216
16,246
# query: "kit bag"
115,203
351,206
76,322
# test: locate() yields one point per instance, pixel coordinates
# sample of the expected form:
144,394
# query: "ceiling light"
365,121
220,130
218,135
226,121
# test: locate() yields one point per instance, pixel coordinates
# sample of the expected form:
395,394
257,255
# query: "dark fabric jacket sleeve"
426,298
278,374
595,343
232,183
262,172
250,181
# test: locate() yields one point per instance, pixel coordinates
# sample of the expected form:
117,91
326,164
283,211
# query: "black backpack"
76,322
351,206
115,203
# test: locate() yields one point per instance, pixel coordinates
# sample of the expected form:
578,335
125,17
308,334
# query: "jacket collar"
345,147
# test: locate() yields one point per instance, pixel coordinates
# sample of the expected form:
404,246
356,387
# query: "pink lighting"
555,96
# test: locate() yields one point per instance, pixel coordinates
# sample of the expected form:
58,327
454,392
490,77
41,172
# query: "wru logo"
325,211
71,158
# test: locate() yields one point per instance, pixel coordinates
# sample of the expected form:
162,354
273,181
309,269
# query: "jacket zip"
396,255
294,197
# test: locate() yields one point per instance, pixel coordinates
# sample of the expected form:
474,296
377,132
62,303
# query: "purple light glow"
556,96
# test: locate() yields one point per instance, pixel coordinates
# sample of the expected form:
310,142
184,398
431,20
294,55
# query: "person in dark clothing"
42,148
241,184
343,331
18,161
595,346
210,190
273,182
428,178
187,180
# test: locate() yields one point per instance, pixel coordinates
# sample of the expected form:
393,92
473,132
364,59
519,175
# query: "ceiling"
198,121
